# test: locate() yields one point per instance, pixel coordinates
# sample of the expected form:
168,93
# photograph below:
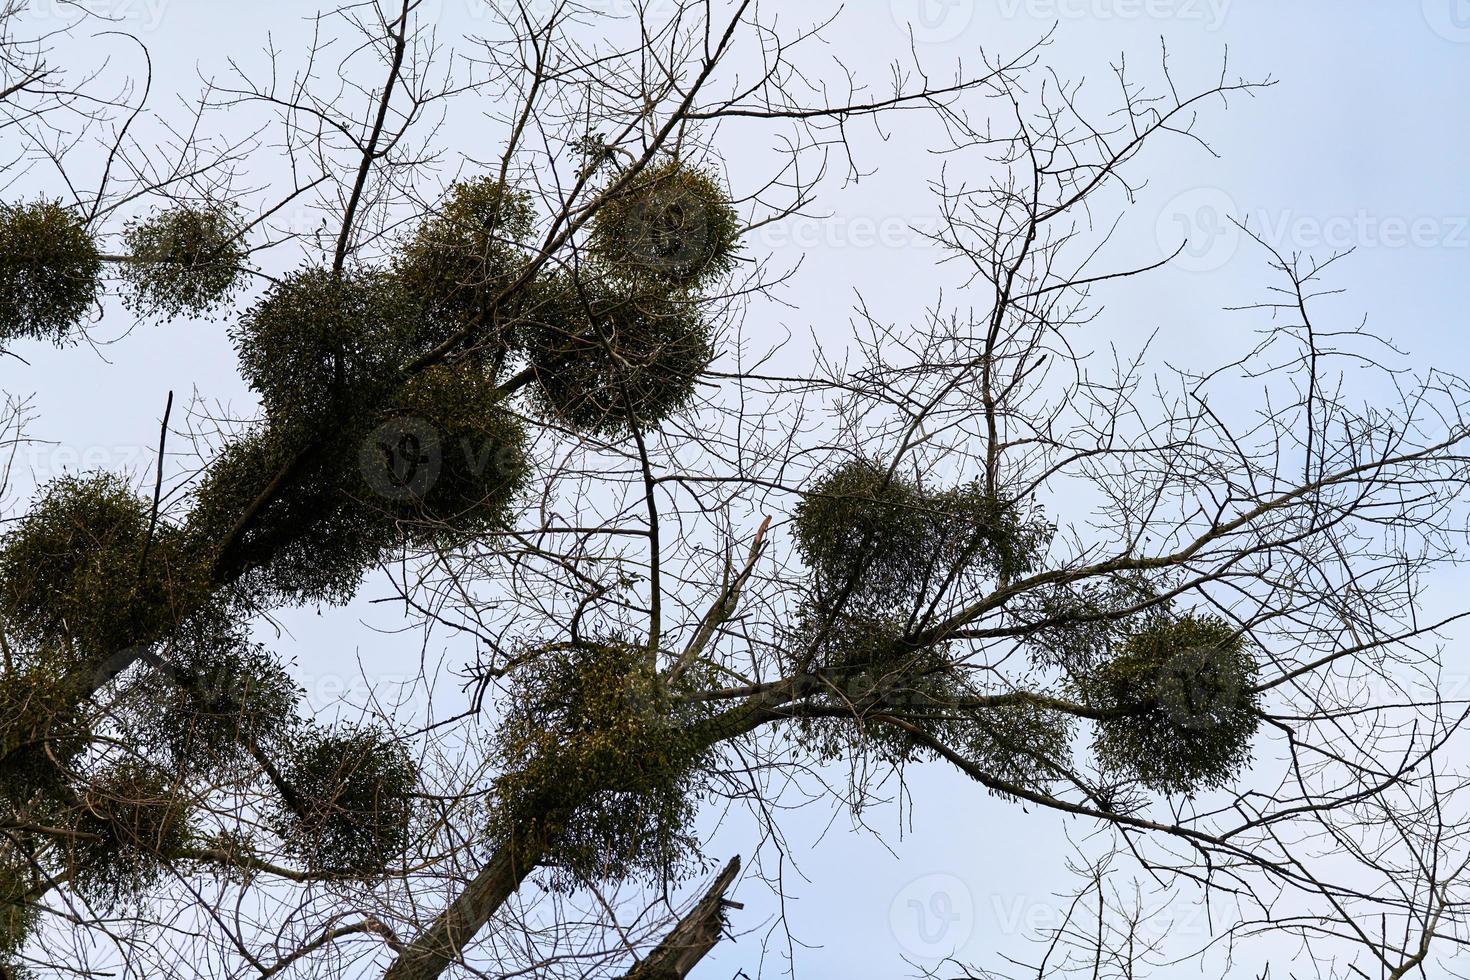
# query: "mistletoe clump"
1074,625
603,766
1181,702
607,363
72,570
869,667
349,800
18,914
311,542
880,541
188,259
449,461
864,531
323,347
131,820
216,696
50,271
890,688
672,222
1022,743
42,731
462,255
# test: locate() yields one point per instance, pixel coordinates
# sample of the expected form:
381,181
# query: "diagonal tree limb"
694,936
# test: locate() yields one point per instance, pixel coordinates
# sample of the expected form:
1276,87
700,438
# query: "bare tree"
1180,606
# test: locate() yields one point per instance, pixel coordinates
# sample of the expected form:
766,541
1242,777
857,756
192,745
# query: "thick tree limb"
440,944
695,935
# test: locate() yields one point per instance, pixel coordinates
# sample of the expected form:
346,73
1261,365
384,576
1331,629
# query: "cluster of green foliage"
463,255
450,458
18,914
1075,625
670,222
216,696
870,668
86,576
348,802
608,360
187,259
883,552
384,424
364,447
875,540
1181,702
132,818
618,344
373,456
42,729
602,765
50,271
324,345
73,575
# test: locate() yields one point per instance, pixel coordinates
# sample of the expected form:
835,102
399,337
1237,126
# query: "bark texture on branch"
430,954
694,936
440,944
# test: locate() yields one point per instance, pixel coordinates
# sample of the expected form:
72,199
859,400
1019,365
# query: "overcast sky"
1364,143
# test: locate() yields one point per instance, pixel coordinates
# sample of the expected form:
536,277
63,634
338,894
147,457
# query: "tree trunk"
440,944
694,936
437,946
